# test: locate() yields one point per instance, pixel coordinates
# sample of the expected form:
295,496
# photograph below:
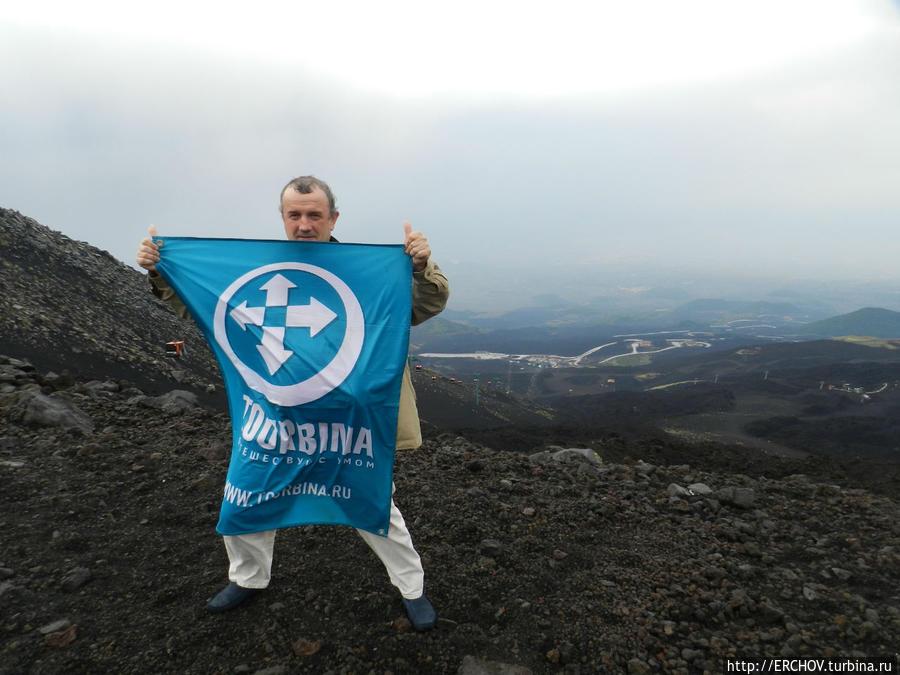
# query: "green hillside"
870,321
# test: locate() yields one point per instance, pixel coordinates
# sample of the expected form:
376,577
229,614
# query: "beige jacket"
430,291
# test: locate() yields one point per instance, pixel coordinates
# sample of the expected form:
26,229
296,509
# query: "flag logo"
273,314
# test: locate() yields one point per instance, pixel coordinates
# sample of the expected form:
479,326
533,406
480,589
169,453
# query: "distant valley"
626,341
764,381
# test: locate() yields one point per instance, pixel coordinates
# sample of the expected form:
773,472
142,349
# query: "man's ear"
334,219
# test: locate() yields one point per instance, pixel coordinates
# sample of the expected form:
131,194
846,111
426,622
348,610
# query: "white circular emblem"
327,379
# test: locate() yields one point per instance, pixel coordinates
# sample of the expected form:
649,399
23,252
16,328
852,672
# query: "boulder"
33,407
472,665
562,455
175,402
741,497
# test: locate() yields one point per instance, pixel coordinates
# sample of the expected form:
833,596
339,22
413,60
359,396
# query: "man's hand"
148,252
416,246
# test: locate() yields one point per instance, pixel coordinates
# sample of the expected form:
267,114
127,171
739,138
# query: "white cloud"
471,47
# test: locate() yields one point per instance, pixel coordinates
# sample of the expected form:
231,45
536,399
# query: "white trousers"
250,557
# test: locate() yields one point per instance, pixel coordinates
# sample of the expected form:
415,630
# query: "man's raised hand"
416,246
148,252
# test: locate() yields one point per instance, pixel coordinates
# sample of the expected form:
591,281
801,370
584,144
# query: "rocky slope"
68,305
539,560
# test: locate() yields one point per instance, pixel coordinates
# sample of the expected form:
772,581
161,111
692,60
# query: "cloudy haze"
762,137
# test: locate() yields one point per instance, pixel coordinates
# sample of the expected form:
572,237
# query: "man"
309,214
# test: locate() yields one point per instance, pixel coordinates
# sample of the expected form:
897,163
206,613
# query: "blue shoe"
230,597
420,612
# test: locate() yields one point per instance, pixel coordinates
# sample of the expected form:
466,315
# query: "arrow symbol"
276,290
314,316
244,315
272,348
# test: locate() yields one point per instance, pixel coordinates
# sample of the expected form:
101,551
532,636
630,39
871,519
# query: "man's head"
308,209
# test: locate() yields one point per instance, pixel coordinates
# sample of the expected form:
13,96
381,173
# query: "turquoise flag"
311,339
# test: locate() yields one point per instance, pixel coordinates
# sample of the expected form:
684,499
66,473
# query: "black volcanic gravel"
548,562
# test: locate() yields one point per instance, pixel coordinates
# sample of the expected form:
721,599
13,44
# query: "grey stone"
542,457
9,373
638,667
76,578
675,490
737,496
841,573
583,454
96,386
272,670
490,547
589,468
52,411
58,625
477,493
472,665
772,612
644,468
567,652
174,402
214,451
475,465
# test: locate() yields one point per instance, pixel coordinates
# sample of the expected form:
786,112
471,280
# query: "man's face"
306,216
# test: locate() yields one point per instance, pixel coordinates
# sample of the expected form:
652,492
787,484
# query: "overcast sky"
758,135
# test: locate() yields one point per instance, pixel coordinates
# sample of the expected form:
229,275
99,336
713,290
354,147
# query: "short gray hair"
305,185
